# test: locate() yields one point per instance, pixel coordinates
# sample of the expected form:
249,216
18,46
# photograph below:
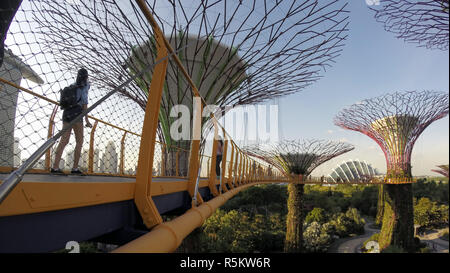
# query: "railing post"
163,160
194,156
236,168
245,169
224,161
230,167
142,195
122,154
239,176
51,126
212,171
252,175
91,148
177,163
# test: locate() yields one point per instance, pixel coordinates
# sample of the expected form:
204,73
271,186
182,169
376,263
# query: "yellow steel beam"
56,103
212,171
91,148
122,154
51,126
167,236
33,197
142,197
230,167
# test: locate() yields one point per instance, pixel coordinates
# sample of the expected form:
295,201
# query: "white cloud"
330,131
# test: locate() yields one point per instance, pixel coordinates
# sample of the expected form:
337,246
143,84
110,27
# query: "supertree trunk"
424,23
235,52
398,223
295,217
395,121
380,205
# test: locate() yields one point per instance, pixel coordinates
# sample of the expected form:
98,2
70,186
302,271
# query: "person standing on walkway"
69,114
219,156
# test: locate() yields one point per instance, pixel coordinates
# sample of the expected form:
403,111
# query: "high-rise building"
17,152
110,157
83,164
62,162
13,70
69,159
96,166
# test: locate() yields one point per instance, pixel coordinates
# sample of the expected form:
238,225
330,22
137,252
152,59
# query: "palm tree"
297,159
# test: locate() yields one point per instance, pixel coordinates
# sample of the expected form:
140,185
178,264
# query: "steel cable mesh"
395,121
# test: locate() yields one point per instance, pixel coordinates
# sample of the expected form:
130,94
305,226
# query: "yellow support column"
249,170
91,148
236,168
241,161
142,194
246,170
122,154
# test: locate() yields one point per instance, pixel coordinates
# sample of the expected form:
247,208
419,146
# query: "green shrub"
374,238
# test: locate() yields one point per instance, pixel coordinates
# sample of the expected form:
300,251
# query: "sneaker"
77,171
56,171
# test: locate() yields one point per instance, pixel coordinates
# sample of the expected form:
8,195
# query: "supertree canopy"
299,158
395,121
425,23
236,52
443,169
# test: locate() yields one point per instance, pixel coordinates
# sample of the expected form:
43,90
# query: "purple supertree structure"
395,121
425,23
297,159
443,169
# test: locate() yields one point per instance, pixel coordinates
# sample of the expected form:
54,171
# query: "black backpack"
68,97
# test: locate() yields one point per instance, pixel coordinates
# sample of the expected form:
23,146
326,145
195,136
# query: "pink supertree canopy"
395,121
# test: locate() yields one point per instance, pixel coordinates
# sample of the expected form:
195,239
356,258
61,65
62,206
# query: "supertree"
425,23
236,52
297,159
395,121
443,169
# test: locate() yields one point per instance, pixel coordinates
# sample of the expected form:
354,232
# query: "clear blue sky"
372,63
